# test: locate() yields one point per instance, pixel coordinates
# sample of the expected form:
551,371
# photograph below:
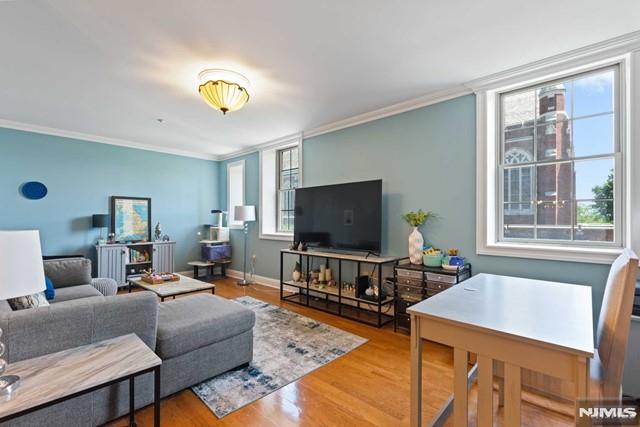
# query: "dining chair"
612,333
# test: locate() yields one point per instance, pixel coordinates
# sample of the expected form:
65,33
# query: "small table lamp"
21,274
101,221
245,214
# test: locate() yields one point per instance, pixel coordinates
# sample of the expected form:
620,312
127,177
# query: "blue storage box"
216,253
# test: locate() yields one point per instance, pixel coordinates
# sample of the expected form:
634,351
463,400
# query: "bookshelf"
125,261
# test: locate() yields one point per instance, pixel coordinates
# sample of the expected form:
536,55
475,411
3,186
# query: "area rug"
286,346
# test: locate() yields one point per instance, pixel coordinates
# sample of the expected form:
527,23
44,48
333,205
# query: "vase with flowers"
416,241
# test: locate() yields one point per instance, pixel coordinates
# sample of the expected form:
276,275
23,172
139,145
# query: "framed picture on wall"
131,218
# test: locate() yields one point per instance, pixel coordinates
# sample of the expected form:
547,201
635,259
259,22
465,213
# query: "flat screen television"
340,216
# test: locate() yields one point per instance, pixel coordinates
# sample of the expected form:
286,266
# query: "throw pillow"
50,292
28,301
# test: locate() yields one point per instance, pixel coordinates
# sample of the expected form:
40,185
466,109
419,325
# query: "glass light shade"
223,90
245,213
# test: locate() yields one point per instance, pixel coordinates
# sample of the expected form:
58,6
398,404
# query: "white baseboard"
237,274
262,280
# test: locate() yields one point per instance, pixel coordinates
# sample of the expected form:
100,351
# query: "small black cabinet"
414,283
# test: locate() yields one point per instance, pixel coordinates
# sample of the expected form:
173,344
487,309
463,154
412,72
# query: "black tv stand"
336,299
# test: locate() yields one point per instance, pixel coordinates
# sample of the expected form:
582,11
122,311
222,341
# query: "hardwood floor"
367,387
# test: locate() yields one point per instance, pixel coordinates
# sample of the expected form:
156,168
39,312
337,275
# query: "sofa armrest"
107,287
68,324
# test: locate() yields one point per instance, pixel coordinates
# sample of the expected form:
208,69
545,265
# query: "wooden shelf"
332,290
370,317
139,263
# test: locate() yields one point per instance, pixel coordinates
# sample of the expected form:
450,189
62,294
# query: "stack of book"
636,301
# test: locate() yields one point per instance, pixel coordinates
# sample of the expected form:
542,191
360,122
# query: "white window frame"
231,222
268,211
278,181
488,146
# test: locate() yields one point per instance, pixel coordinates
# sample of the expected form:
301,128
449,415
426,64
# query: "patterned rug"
286,346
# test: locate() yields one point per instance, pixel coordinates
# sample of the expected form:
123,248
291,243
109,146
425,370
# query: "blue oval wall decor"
34,190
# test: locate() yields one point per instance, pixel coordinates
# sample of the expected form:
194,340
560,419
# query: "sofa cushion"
188,323
76,292
68,271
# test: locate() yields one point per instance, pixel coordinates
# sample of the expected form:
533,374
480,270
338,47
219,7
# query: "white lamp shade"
21,268
244,213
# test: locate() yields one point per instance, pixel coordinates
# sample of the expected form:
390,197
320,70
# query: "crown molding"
391,110
592,53
101,139
263,146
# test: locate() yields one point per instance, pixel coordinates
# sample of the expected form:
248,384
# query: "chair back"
615,319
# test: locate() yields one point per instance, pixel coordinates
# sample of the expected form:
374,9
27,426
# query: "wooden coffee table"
186,285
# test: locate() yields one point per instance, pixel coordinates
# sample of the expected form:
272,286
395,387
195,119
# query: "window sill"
285,237
596,255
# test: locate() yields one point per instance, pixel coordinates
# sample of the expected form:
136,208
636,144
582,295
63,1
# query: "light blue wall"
426,159
82,175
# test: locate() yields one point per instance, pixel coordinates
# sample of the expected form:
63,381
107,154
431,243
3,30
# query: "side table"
58,377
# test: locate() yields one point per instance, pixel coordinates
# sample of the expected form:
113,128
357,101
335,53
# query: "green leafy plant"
416,219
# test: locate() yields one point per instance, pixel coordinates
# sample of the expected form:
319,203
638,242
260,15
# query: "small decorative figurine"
296,273
166,238
158,232
302,247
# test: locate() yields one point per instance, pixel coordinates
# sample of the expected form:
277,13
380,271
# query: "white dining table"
543,326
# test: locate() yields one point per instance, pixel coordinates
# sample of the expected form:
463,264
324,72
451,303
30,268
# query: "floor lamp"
246,214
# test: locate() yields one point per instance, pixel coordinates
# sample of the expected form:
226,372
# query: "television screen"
341,216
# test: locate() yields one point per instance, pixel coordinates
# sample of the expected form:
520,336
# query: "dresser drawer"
444,278
402,305
406,281
408,274
438,286
410,292
404,321
431,292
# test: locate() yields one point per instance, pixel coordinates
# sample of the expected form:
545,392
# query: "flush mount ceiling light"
223,90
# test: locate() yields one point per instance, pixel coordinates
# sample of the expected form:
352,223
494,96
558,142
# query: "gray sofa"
71,279
197,337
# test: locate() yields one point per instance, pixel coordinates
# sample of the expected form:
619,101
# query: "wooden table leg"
512,395
460,402
582,381
485,391
416,373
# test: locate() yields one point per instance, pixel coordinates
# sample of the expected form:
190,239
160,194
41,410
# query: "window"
288,181
280,175
556,158
518,183
235,190
559,149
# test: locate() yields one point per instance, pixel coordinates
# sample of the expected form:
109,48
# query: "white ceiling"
112,67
